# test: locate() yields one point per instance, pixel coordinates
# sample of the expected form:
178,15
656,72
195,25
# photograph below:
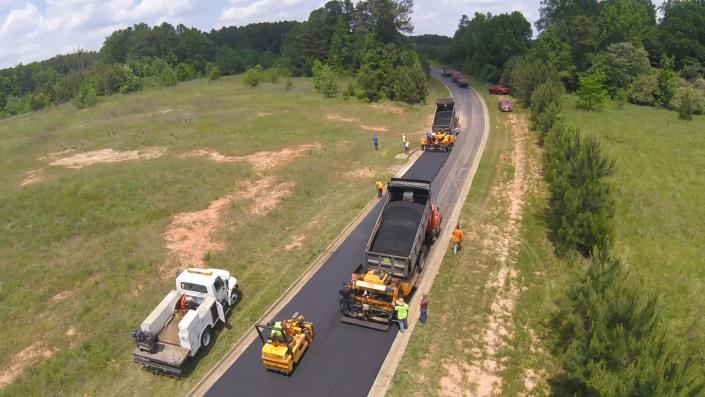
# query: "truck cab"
183,321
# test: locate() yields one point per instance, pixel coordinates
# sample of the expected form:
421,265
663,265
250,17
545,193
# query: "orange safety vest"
457,235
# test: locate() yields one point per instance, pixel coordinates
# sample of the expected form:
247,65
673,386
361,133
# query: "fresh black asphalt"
344,360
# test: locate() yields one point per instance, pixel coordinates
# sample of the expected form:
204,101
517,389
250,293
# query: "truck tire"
235,296
206,337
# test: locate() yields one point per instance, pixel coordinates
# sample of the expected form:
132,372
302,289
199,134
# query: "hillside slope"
100,207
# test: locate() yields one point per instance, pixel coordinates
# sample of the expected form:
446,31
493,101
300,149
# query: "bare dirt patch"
188,236
29,356
359,173
388,108
85,159
296,242
260,161
338,117
63,295
374,128
263,114
31,177
71,332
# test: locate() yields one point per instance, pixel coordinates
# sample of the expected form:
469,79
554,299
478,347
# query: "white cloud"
241,13
32,31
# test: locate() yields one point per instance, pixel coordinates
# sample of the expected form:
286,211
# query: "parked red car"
499,90
505,105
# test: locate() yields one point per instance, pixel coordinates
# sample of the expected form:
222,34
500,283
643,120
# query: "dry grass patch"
359,173
374,128
31,177
260,161
31,355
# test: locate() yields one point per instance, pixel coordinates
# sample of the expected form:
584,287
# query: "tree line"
618,49
605,331
364,41
138,55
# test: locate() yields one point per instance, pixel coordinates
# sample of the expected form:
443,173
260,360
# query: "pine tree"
340,53
592,93
609,342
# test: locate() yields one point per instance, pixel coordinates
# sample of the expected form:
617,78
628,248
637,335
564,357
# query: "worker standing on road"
424,308
402,310
347,293
380,188
375,141
457,239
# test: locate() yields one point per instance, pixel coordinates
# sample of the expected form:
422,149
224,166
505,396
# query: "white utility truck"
183,321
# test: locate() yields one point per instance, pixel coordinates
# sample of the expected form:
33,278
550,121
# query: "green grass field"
81,249
660,208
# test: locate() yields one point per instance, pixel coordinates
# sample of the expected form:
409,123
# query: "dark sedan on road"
505,105
499,90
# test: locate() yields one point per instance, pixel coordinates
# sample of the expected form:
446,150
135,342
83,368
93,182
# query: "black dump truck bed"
443,118
398,227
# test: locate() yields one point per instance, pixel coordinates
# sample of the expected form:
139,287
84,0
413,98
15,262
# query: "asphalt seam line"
386,373
246,339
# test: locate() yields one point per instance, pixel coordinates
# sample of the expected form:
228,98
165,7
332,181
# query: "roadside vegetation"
101,207
472,331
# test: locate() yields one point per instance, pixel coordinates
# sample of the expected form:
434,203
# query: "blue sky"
32,30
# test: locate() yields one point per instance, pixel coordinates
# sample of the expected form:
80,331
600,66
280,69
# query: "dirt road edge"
389,367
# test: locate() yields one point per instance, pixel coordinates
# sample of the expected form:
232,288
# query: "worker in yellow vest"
402,310
380,187
277,331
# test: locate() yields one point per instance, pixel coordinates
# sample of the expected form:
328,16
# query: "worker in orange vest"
457,238
380,187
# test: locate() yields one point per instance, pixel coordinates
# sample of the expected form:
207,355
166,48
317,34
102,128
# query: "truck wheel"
234,297
206,337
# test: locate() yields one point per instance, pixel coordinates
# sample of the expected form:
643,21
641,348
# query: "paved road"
344,359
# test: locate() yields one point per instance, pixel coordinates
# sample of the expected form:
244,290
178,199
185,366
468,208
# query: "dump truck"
182,323
285,342
445,119
395,255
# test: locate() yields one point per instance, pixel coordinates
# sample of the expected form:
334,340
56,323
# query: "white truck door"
221,312
220,290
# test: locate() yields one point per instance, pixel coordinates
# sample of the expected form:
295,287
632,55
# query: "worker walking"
380,188
402,310
347,292
424,308
457,239
375,141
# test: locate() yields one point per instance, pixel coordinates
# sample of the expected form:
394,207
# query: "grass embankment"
476,318
660,206
83,257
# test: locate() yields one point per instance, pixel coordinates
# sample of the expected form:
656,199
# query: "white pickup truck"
183,321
